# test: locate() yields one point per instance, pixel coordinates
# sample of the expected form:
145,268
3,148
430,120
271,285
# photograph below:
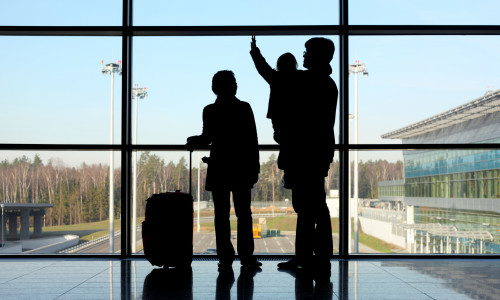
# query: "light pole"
349,242
198,194
111,69
356,68
138,93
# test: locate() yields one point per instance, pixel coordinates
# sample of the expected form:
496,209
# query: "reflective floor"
137,279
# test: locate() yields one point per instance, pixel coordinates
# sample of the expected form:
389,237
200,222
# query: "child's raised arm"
261,65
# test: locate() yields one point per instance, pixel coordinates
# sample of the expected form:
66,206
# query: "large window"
99,98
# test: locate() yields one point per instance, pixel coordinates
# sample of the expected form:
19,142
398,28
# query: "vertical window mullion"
126,134
344,220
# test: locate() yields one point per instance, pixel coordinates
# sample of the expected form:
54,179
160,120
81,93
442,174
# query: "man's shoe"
289,265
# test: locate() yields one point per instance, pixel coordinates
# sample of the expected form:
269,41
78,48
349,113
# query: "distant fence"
385,215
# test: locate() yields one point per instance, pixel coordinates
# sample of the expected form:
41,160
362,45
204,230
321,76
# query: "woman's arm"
205,139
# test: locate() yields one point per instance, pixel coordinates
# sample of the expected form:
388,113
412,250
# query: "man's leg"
323,242
304,239
314,232
225,250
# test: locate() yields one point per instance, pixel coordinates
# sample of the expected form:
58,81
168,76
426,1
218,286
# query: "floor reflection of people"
309,286
169,284
245,284
224,283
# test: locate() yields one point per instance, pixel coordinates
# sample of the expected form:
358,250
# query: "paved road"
282,244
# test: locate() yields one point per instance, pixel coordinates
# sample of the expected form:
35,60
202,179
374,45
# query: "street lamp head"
139,93
365,73
111,68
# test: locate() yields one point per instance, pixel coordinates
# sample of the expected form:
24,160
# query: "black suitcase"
167,231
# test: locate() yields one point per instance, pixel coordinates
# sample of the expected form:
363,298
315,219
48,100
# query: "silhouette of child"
280,83
283,83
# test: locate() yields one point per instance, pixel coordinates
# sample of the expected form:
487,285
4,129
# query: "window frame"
128,31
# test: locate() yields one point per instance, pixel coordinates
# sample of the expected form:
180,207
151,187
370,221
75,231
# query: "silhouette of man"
308,140
233,166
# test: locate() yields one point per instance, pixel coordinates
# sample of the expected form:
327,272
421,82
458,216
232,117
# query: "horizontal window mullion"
353,30
235,30
423,29
62,30
62,147
416,146
263,147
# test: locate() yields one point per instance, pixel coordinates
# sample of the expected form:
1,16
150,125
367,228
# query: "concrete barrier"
381,230
53,245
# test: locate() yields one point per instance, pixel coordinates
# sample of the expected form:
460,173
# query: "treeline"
81,194
371,172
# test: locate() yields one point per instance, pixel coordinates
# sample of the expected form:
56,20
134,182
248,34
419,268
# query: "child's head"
286,63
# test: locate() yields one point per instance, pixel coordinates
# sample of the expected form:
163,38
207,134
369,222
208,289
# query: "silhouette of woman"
233,166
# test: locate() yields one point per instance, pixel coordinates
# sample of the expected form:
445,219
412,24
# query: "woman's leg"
225,250
245,244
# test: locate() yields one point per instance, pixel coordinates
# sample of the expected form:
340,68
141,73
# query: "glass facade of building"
453,174
391,189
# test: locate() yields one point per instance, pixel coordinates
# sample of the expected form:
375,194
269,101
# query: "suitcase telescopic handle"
190,167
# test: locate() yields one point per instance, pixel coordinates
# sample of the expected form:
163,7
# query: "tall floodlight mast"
138,93
356,68
111,69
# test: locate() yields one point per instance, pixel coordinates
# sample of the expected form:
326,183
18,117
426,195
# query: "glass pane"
54,90
433,201
178,79
273,216
223,12
417,92
61,13
423,12
58,202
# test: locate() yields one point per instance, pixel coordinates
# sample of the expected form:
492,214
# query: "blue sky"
53,90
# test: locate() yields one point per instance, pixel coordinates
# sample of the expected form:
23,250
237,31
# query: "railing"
88,244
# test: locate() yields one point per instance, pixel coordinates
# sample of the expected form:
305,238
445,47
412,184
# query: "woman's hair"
224,83
286,62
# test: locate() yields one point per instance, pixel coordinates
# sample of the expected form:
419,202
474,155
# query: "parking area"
282,244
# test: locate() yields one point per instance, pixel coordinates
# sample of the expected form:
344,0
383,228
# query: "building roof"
21,206
489,103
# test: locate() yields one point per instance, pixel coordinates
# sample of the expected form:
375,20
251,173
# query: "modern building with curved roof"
456,187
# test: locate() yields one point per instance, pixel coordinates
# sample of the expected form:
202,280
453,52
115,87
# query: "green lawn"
375,243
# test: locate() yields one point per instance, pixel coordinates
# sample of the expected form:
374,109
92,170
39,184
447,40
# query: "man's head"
319,52
224,83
